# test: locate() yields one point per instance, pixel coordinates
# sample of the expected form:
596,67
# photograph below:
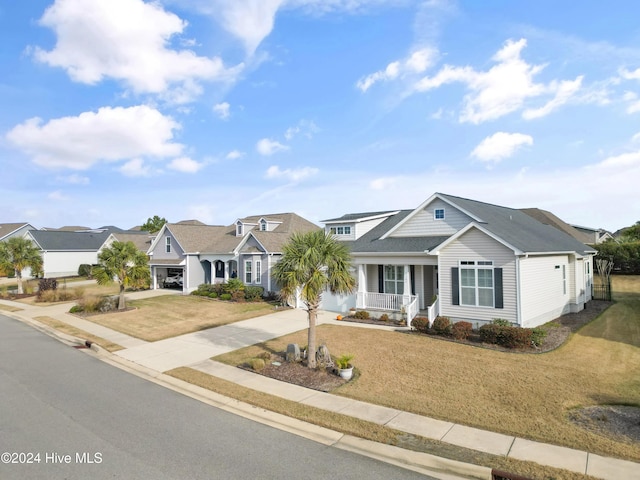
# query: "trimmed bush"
225,296
441,325
461,330
537,336
212,295
501,322
384,317
361,315
489,332
421,324
253,293
238,296
257,364
233,285
515,337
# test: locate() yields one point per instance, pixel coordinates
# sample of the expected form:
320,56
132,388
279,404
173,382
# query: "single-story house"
246,249
9,230
464,259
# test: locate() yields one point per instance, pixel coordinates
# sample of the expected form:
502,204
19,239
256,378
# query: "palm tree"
17,254
311,263
124,263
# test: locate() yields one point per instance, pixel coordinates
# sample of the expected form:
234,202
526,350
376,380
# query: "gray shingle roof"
548,218
350,217
69,241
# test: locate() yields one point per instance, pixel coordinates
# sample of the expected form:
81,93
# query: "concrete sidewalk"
195,349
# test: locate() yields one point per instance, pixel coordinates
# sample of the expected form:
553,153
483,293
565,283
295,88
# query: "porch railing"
389,301
433,311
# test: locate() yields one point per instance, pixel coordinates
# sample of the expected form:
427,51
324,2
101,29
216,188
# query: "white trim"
461,232
242,243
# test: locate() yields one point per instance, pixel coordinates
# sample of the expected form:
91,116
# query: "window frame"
258,275
248,264
477,284
437,212
398,271
167,244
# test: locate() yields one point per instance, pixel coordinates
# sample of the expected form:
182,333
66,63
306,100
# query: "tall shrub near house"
18,253
311,263
122,262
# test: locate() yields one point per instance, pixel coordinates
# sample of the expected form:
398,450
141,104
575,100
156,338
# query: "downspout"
518,295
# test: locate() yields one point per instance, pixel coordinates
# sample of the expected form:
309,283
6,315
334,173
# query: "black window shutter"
380,278
455,289
412,271
497,288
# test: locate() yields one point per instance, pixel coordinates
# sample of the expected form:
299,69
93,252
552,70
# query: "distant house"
464,259
9,230
63,251
586,235
246,249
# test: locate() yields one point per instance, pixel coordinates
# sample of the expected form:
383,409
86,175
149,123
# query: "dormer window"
340,230
263,225
167,247
239,229
438,214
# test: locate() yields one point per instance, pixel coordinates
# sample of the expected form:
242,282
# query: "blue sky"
116,111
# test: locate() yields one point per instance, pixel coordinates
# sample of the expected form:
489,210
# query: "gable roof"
359,217
514,228
223,239
7,229
142,242
68,241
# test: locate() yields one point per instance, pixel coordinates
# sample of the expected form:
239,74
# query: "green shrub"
501,322
84,270
515,337
421,324
384,317
233,285
257,364
441,325
213,295
489,332
225,296
253,293
75,309
461,330
537,336
361,315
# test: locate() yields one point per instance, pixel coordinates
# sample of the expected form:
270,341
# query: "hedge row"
234,290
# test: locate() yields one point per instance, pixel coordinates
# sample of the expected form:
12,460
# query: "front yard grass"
525,395
77,332
167,316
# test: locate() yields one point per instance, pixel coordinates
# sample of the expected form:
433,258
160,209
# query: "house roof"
142,242
514,227
223,239
354,217
548,218
67,228
69,241
7,229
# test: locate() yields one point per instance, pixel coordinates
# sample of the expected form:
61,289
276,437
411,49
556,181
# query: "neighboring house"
586,235
595,235
9,230
63,252
463,259
246,249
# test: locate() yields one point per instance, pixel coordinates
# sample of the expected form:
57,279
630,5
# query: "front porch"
404,291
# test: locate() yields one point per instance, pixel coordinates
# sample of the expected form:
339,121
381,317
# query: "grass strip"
77,332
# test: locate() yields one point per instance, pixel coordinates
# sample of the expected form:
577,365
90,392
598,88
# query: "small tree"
154,224
311,263
17,254
124,263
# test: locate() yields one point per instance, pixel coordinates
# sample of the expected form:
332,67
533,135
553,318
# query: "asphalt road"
67,415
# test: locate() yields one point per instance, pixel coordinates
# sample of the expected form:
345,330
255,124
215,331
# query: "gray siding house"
246,249
464,259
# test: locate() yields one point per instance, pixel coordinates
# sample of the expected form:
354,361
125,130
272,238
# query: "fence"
601,292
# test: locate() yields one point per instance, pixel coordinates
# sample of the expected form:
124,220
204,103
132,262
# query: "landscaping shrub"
48,296
84,270
384,317
501,322
361,315
94,304
441,325
233,285
421,324
45,285
225,296
489,332
461,330
213,295
537,336
253,293
238,296
257,364
271,296
515,337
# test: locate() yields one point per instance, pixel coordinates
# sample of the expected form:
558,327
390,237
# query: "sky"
114,111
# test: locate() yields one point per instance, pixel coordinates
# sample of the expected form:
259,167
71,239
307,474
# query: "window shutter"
412,272
497,288
455,288
380,278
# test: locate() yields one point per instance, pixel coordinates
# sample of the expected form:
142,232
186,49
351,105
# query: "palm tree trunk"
19,279
311,340
121,302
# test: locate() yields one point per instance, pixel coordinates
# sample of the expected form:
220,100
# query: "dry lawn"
527,395
77,292
167,316
77,332
9,308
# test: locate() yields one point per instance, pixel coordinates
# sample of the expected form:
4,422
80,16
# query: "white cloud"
267,147
304,127
126,40
500,145
185,165
135,168
74,179
222,109
627,75
636,137
417,62
382,183
502,89
57,196
293,175
619,162
110,134
234,155
204,213
634,103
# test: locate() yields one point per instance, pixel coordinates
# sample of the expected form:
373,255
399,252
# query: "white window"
263,226
394,279
247,272
258,271
167,243
438,214
340,230
564,279
476,283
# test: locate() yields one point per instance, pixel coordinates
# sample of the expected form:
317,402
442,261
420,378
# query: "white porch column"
362,287
226,272
406,293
